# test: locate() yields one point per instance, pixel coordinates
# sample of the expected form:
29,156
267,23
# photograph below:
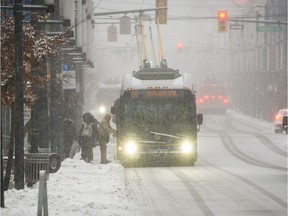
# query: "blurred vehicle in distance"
212,98
104,98
278,120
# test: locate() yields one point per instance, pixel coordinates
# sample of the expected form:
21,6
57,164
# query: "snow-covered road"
241,170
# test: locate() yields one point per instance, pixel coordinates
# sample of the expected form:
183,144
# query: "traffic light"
222,20
179,46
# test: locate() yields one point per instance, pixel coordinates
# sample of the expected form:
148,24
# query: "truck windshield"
166,115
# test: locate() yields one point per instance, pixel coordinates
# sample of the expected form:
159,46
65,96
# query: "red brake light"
277,117
179,45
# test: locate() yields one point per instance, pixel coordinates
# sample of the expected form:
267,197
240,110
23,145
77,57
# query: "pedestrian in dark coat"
69,134
88,136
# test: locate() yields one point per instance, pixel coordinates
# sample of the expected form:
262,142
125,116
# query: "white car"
278,121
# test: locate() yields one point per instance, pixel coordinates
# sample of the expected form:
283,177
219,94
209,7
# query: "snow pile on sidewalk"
78,188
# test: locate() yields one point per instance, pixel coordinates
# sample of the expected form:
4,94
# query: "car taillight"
225,101
200,101
277,117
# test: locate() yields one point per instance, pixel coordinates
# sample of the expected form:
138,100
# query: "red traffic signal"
179,46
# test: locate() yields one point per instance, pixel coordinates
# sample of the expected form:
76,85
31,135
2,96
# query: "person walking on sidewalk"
104,135
88,136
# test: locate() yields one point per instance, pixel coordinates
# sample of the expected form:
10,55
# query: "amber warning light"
222,21
222,15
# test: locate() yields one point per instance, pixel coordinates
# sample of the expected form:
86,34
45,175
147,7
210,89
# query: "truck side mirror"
285,121
200,119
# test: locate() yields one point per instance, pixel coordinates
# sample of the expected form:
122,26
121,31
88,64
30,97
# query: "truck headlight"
186,146
130,147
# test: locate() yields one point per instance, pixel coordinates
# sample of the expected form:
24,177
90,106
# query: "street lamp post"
56,91
80,91
39,110
19,103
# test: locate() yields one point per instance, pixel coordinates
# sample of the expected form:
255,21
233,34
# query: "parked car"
278,121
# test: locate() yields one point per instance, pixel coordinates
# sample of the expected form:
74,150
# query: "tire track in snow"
262,190
144,197
263,139
232,148
195,194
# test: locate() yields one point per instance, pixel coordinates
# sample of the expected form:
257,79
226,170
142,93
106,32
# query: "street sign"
236,26
269,28
69,81
69,73
65,67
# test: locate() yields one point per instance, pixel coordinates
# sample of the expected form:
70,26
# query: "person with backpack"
104,134
88,137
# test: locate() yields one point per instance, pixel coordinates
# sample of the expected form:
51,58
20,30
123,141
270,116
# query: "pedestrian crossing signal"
222,20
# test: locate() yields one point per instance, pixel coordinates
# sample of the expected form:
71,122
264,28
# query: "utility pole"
79,93
56,96
19,103
39,111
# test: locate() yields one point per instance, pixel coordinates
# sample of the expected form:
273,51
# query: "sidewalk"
77,189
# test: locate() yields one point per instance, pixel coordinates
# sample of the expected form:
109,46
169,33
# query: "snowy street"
190,97
241,170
